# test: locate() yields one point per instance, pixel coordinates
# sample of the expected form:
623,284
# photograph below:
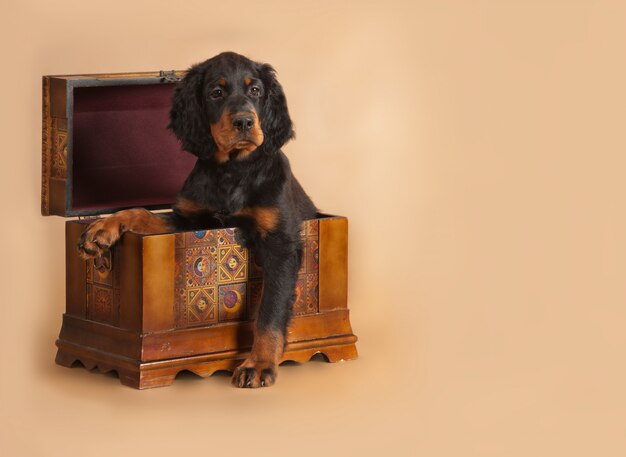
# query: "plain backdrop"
477,148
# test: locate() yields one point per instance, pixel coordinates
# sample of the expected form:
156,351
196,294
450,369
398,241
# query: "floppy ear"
275,121
187,118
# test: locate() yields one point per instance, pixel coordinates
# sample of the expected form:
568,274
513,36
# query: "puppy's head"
228,107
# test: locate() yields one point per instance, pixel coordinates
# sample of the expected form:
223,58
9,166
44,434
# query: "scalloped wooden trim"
163,373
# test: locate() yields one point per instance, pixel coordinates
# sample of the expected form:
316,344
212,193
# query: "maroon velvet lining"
123,153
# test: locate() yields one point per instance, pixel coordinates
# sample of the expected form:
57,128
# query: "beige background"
477,148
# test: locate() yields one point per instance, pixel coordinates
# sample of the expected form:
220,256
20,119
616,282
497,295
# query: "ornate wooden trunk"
159,304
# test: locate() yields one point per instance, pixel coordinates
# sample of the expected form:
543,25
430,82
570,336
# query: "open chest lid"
106,145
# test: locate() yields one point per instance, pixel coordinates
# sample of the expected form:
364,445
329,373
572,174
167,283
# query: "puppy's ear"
275,121
188,118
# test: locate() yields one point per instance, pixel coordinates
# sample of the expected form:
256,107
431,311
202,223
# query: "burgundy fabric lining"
123,153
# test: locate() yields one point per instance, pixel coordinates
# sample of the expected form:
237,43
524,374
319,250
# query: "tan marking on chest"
189,208
266,219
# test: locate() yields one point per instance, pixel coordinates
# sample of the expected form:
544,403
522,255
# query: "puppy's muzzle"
243,122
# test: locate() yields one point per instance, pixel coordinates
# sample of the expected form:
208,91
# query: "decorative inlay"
232,300
233,263
45,148
59,154
201,309
218,280
103,289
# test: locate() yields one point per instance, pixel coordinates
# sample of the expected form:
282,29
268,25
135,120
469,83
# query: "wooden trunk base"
161,373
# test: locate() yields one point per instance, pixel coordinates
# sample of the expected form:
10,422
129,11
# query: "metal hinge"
169,76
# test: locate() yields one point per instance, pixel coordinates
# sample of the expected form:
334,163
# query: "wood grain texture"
75,271
333,261
163,373
238,335
148,351
100,337
54,146
158,283
202,340
130,249
57,133
109,76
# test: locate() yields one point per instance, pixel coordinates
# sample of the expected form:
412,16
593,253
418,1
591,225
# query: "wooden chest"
159,304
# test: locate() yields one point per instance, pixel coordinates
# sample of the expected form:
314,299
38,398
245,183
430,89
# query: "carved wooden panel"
59,149
103,289
45,147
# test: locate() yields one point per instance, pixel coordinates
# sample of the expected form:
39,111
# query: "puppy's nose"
243,122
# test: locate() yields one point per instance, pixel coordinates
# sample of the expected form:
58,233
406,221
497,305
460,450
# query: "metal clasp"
169,76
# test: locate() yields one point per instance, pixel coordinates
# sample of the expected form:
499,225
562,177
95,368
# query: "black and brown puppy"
231,112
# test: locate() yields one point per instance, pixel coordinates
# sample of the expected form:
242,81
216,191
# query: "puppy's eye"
216,94
254,91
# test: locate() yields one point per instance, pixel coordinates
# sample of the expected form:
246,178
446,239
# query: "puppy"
232,114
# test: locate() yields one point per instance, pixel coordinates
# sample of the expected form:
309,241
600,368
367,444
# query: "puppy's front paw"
99,236
252,374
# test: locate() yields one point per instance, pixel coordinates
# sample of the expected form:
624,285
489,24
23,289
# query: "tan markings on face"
248,80
231,141
266,219
222,82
